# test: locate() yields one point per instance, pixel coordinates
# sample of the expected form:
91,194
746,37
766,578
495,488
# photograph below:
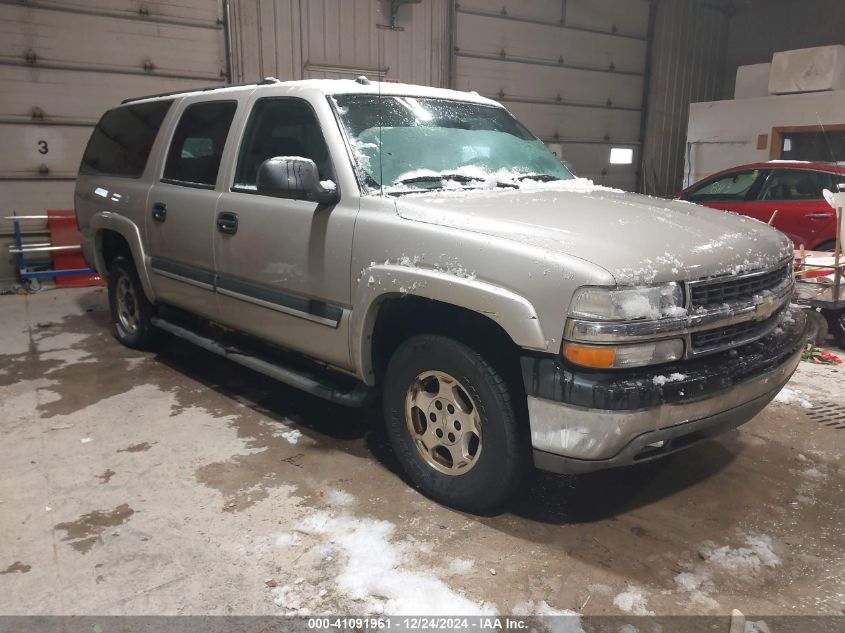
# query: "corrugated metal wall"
687,66
571,70
300,39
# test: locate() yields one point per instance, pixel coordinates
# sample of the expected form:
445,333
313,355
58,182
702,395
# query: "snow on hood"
638,239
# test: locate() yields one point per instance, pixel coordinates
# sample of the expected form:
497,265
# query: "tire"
836,322
131,311
826,246
817,330
483,455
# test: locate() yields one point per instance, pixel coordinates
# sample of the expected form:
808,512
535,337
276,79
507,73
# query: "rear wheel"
131,311
452,424
826,246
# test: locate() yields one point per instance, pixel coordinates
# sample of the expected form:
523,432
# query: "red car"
793,189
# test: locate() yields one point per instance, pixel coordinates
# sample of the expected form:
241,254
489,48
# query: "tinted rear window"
122,140
197,146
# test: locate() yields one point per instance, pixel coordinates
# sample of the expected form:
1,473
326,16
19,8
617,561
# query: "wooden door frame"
776,145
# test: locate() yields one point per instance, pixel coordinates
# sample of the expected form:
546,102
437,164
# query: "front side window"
280,127
732,187
121,143
406,144
796,185
197,145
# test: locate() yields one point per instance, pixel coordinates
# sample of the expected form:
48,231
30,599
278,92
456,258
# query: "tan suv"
355,239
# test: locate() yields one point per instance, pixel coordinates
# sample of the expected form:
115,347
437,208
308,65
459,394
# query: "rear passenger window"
120,144
280,127
798,185
197,146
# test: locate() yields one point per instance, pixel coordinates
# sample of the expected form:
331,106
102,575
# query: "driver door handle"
227,222
159,212
820,216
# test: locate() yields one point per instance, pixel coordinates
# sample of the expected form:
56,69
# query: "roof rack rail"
263,82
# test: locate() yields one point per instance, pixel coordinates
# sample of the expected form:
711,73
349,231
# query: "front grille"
717,292
730,336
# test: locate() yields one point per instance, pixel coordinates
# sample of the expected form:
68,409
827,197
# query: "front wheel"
453,426
836,320
131,311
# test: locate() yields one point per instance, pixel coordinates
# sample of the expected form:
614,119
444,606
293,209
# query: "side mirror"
294,177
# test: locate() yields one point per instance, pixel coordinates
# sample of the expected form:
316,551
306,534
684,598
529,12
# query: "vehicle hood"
638,239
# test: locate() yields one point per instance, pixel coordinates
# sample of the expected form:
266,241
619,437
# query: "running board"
358,396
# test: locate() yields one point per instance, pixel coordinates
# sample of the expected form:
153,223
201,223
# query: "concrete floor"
177,483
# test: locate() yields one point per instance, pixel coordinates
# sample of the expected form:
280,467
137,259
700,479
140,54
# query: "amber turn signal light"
590,356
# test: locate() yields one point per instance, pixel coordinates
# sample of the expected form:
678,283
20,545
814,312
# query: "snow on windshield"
410,144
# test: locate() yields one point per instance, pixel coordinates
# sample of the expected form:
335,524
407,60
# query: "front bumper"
583,421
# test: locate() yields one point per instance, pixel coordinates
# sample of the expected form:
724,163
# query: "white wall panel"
26,148
491,36
74,96
200,11
113,45
551,11
34,197
628,17
572,122
489,77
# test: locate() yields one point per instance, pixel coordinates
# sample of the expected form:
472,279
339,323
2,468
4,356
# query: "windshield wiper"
460,178
539,177
436,178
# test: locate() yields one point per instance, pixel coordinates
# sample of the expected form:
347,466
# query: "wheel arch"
116,235
396,302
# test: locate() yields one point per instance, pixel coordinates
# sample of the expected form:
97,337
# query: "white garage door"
571,70
65,62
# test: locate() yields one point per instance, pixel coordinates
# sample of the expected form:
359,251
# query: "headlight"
628,304
621,356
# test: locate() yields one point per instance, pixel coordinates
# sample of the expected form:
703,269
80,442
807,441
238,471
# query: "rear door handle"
227,222
820,216
159,212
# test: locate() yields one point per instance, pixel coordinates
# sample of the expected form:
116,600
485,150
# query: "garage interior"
176,483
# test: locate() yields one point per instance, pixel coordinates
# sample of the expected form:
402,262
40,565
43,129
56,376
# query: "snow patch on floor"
633,600
793,396
374,571
570,623
339,498
460,565
756,554
292,436
286,539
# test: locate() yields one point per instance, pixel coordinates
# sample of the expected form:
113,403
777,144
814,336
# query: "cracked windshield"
426,144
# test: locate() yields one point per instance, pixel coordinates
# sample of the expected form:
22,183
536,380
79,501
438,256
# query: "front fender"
512,312
108,221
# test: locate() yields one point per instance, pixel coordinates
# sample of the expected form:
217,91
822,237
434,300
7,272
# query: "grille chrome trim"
704,293
762,307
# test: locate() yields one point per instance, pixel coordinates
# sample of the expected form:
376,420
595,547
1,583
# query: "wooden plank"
107,43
